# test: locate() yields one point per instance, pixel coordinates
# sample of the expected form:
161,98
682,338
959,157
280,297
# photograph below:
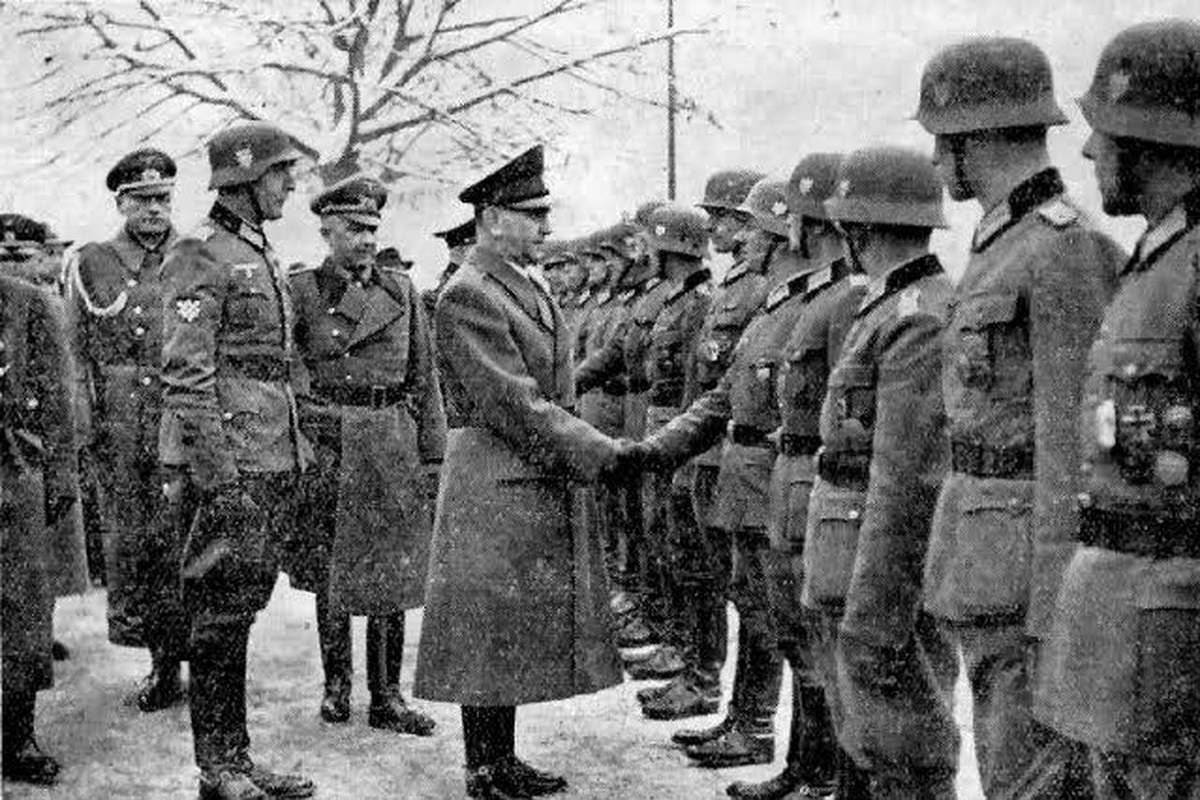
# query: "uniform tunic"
1121,670
516,600
1023,316
37,472
881,459
114,307
229,414
374,415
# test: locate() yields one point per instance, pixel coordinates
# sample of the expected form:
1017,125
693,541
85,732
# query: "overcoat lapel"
520,288
380,310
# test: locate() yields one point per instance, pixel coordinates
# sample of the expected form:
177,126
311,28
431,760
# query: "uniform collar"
897,278
131,250
1028,195
231,221
690,282
1182,218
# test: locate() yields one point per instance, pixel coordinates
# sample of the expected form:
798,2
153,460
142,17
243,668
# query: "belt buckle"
378,396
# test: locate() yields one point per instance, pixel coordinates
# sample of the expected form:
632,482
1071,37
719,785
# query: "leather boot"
514,776
229,785
385,653
743,744
696,695
664,663
217,698
812,748
333,632
163,687
481,784
692,737
275,784
24,761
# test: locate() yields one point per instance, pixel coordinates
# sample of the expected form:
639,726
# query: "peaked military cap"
19,230
725,190
459,235
987,83
1147,84
518,184
358,198
146,169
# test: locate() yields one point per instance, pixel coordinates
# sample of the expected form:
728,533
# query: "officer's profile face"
517,230
350,242
1114,174
949,155
273,188
146,213
724,229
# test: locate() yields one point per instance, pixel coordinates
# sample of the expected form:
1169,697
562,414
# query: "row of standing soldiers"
902,477
884,472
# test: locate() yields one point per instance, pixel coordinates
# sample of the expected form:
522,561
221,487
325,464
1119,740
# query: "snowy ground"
109,750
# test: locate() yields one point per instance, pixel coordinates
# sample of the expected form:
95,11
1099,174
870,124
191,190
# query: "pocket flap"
855,375
844,508
1173,583
994,308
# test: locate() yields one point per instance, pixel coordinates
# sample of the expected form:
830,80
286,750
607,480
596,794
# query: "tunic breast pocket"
852,388
992,353
246,304
1149,421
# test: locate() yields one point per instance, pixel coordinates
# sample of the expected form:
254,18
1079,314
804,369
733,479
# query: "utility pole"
671,102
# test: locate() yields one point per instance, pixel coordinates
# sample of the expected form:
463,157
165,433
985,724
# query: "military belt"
796,444
750,436
1144,535
258,368
974,458
364,396
848,470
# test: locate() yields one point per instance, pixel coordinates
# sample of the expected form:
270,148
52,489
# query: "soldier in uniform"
374,416
114,300
739,295
230,441
38,489
830,298
516,601
1121,672
1023,316
879,468
743,402
458,242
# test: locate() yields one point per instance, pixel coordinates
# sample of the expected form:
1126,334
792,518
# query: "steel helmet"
767,205
887,185
1147,84
988,83
725,190
812,181
677,228
243,153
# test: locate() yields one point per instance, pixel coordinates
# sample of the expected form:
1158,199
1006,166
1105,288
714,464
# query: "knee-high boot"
385,653
333,632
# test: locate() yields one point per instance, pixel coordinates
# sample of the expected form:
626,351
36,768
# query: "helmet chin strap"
254,204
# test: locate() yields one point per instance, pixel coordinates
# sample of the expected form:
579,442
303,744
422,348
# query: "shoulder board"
859,279
604,297
299,267
1058,213
584,298
819,280
739,269
795,285
203,231
650,284
628,296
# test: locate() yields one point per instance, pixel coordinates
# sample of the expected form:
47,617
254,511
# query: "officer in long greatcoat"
1121,666
230,442
1024,314
373,412
37,488
114,298
880,466
516,601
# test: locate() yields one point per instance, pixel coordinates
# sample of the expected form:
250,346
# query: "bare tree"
404,87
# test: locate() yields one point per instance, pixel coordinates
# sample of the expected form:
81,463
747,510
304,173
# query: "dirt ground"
109,750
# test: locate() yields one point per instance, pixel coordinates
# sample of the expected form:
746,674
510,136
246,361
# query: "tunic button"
139,331
348,377
335,333
146,380
31,403
137,309
1085,500
1131,369
332,310
131,283
228,415
853,514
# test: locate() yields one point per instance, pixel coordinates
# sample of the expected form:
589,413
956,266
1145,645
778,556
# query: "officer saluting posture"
880,468
376,423
37,489
230,435
114,301
1122,661
516,599
1024,314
